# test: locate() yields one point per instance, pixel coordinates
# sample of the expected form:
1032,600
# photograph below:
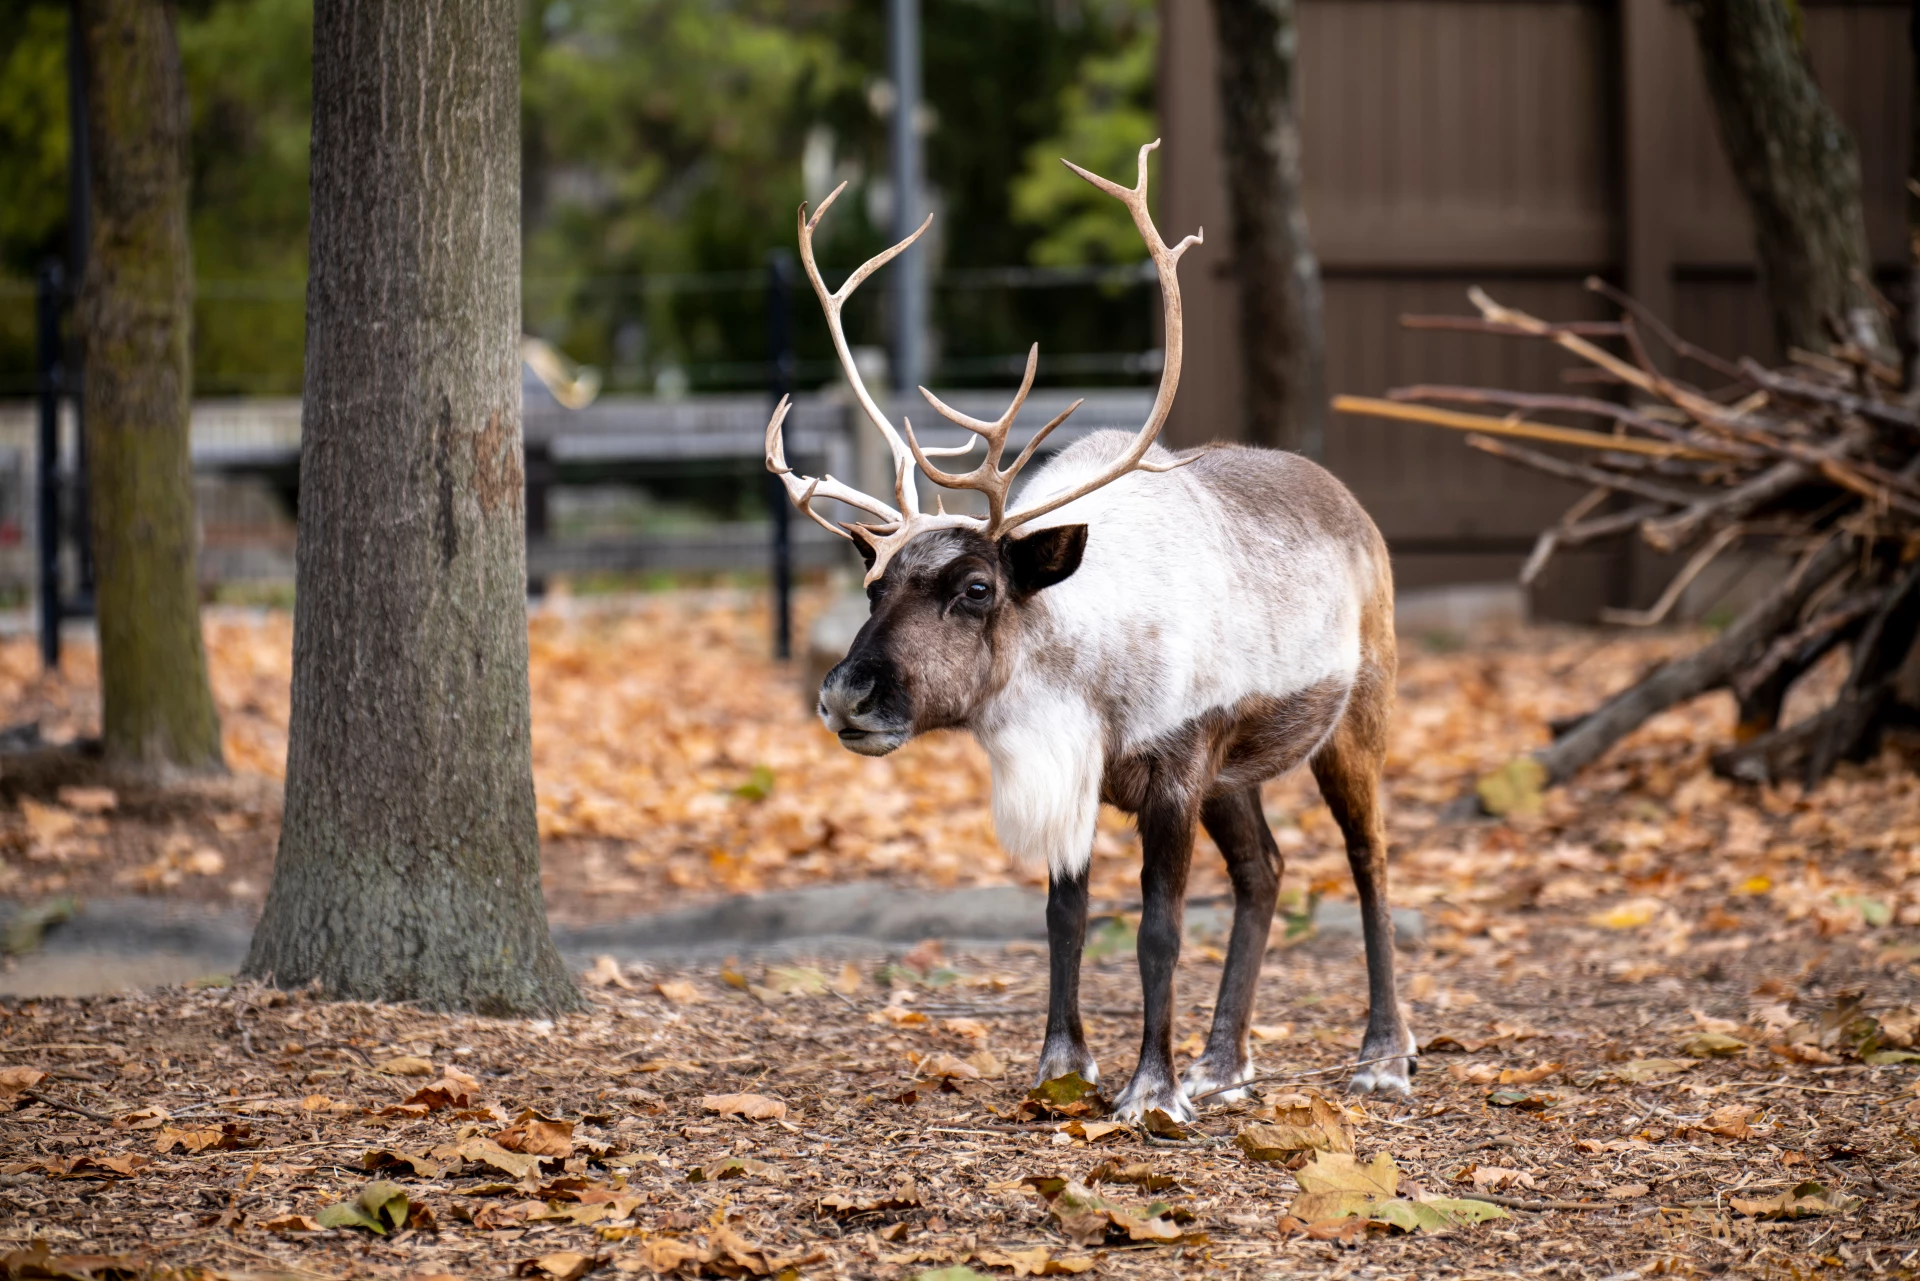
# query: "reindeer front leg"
1166,839
1066,1045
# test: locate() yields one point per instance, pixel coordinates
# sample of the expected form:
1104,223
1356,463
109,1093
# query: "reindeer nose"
844,695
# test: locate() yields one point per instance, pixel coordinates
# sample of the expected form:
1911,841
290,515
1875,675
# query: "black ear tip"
1044,557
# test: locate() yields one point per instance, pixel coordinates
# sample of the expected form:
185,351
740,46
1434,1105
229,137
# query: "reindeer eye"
977,591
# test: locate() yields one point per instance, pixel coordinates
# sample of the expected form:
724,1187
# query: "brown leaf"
291,1223
1302,1122
563,1265
392,1159
606,973
945,1065
679,992
754,1107
18,1078
537,1135
1627,1191
1528,1076
1494,1178
486,1152
37,1260
405,1065
1802,1201
840,1205
454,1089
315,1103
225,1138
98,1167
1036,1262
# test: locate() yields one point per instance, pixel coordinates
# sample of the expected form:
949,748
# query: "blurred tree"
409,861
135,322
1800,171
1106,112
1283,342
33,171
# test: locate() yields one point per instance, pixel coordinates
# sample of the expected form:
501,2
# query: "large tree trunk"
1800,172
409,865
135,325
1282,334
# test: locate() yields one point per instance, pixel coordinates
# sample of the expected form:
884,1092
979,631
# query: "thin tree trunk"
1800,172
1913,209
136,326
409,864
1282,333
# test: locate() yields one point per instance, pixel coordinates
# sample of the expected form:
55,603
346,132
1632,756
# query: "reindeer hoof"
1059,1060
1149,1090
1385,1074
1220,1084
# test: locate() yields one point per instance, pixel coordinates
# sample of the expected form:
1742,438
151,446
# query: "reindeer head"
947,589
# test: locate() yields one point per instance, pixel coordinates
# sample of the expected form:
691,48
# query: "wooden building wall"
1520,145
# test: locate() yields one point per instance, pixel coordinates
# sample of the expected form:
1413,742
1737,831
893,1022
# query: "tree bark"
1800,172
1282,332
409,863
135,328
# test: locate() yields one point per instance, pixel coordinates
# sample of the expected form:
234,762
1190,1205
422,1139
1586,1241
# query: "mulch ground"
1589,950
219,1124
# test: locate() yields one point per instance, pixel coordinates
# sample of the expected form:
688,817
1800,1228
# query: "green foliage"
659,137
249,74
1105,114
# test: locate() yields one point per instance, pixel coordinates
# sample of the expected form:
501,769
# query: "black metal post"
47,299
780,372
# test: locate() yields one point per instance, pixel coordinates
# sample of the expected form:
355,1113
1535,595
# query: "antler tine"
1166,265
987,477
802,490
830,303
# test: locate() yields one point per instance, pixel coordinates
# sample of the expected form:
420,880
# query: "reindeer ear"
1044,557
868,552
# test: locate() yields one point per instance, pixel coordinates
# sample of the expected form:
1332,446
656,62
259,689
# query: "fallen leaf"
840,1205
1639,1070
1094,1131
224,1138
606,973
480,1151
945,1065
315,1103
1524,1100
1036,1262
393,1159
563,1265
15,1079
679,992
1515,788
971,1029
1272,1031
537,1135
1432,1214
989,1067
1087,1218
1626,916
1528,1076
80,1167
898,1016
754,1107
1137,1173
1333,1185
1802,1201
405,1065
1627,1191
1061,1096
1713,1045
1300,1123
88,800
454,1089
849,981
292,1223
380,1208
1494,1178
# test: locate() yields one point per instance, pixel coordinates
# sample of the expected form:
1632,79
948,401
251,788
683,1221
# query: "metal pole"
910,269
80,231
780,373
47,298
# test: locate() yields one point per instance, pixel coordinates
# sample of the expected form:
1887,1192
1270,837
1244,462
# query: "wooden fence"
1522,145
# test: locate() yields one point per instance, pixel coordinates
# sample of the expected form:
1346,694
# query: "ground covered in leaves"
1748,1113
1665,1018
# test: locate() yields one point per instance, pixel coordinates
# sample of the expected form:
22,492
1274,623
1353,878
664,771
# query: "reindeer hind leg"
1348,768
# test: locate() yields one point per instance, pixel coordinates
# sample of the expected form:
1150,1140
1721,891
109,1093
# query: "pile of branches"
1817,463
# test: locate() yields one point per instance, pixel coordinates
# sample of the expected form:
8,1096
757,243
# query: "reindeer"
1163,632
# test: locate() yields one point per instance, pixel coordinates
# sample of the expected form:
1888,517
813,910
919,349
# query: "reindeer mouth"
871,742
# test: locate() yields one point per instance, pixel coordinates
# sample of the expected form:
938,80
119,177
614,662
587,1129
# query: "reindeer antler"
895,527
